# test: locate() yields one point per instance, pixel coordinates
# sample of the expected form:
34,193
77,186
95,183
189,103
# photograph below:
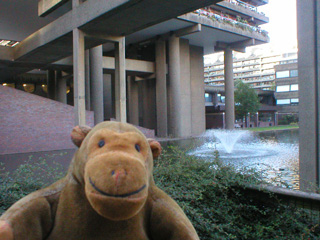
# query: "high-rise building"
256,67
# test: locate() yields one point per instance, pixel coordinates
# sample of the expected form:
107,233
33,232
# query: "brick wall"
30,123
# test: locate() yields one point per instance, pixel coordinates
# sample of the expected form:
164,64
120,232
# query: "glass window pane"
294,87
282,74
294,73
283,101
284,88
294,100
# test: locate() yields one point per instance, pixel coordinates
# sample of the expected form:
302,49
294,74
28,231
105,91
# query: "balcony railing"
223,19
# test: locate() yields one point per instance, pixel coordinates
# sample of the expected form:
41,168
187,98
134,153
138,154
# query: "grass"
273,128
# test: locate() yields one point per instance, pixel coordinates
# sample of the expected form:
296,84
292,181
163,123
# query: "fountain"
245,149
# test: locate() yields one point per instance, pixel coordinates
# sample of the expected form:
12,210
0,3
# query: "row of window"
292,101
287,73
287,88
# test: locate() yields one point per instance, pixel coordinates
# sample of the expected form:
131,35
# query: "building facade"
105,57
287,90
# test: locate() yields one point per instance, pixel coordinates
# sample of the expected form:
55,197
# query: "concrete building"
309,98
255,68
140,62
287,90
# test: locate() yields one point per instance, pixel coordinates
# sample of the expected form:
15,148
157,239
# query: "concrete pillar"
120,81
215,99
185,86
257,120
87,80
148,98
174,90
78,77
133,97
309,92
198,111
51,84
229,88
107,96
161,89
61,88
96,77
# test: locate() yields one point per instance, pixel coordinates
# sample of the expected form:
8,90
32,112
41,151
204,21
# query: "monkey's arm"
32,217
168,221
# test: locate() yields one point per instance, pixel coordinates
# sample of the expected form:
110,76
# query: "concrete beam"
188,30
149,76
131,65
222,46
48,6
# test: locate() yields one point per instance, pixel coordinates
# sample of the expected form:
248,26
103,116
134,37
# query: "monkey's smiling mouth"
115,195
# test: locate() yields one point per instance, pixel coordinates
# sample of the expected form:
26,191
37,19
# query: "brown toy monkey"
109,193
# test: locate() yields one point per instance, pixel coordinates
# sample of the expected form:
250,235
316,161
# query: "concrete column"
107,96
198,111
96,77
257,120
148,98
133,97
61,88
309,92
215,99
87,80
174,90
120,81
229,88
185,86
78,77
51,84
161,89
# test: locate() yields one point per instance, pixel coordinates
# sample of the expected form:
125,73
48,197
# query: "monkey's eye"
101,143
137,146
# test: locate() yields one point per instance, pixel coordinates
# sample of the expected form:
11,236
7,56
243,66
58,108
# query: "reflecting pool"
275,154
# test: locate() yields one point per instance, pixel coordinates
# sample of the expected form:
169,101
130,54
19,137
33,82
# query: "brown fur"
108,193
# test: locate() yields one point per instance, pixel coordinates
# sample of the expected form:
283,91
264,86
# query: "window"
294,100
208,97
294,73
294,87
284,88
282,74
283,101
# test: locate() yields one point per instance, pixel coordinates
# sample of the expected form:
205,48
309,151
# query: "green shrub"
28,177
215,199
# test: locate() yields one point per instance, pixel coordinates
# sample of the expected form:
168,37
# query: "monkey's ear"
155,147
78,134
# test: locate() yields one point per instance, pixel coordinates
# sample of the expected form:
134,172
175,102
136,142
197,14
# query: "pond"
275,154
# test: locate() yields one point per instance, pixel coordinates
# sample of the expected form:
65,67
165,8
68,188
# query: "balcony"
236,23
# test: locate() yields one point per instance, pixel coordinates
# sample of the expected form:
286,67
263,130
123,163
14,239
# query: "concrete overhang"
116,18
211,33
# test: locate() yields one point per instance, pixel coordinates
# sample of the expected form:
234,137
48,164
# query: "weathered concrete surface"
198,112
309,91
117,17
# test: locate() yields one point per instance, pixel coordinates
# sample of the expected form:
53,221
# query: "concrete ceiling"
19,18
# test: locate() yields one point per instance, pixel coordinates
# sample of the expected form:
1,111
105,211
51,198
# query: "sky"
282,26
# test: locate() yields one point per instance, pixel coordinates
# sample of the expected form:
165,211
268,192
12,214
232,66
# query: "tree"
246,99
